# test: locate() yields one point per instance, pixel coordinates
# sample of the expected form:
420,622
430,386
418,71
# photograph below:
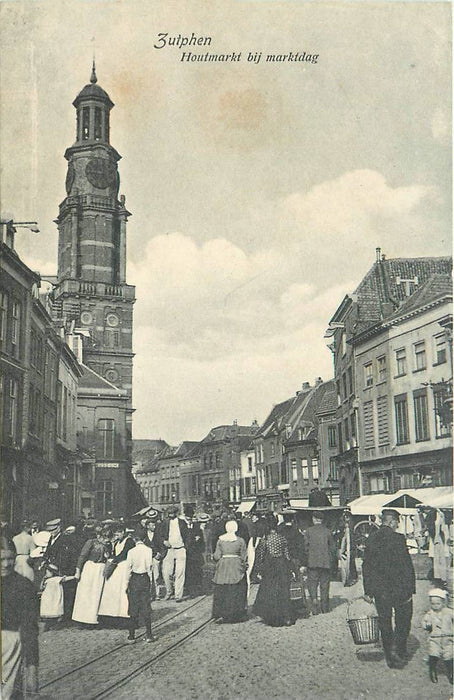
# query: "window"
401,411
15,329
339,437
344,385
106,433
3,314
332,469
421,415
350,380
401,362
382,420
440,348
294,471
284,472
273,449
111,338
382,369
210,461
12,427
338,391
368,374
442,428
420,355
98,122
85,123
346,429
315,474
249,464
218,460
353,425
368,418
305,470
344,343
331,436
104,497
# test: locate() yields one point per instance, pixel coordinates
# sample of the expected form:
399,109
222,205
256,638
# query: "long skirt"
230,601
114,600
51,605
88,593
272,603
11,662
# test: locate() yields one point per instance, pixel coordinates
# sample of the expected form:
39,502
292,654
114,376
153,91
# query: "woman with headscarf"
272,559
114,601
230,586
90,574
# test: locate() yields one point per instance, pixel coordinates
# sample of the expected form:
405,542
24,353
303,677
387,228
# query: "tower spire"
93,78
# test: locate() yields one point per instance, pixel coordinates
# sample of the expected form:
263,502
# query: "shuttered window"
368,420
382,420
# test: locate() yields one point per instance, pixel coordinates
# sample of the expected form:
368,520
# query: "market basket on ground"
362,619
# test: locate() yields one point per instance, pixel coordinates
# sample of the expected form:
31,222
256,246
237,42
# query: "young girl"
438,621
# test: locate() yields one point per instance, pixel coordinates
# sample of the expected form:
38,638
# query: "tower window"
98,123
106,126
106,434
85,123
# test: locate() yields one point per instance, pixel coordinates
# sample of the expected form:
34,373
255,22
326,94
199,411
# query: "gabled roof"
328,404
383,288
275,418
147,448
228,432
92,382
185,448
437,287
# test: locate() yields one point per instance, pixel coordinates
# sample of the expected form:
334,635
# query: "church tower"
95,305
91,288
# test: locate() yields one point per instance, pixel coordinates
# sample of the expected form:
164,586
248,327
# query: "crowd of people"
108,573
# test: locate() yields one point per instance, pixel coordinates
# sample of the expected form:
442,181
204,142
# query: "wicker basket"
365,630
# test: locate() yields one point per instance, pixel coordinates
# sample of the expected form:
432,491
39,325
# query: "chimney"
305,386
235,422
318,381
377,254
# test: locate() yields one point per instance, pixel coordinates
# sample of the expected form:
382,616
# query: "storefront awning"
369,505
435,497
245,506
298,502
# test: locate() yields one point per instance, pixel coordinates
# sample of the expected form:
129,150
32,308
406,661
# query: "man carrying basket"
389,578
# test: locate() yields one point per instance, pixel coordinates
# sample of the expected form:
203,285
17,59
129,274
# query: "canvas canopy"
245,506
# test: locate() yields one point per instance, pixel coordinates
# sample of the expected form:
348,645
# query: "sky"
258,191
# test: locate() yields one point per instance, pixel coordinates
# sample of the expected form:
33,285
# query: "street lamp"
9,226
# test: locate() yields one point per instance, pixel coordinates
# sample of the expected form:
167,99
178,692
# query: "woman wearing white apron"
114,600
90,572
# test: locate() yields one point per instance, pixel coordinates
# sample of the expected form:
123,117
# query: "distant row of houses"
382,423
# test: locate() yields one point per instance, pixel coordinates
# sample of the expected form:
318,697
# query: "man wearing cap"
320,550
174,533
60,559
389,578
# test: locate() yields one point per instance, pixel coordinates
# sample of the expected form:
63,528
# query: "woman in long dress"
230,586
114,600
272,559
90,572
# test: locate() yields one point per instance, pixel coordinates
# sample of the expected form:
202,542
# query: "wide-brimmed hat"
202,517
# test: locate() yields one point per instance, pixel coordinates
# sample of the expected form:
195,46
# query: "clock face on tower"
101,173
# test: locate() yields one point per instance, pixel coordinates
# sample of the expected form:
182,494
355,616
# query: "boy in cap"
140,578
438,621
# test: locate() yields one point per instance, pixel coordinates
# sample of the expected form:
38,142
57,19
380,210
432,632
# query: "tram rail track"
71,674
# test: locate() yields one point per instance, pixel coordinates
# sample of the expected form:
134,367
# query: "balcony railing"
98,289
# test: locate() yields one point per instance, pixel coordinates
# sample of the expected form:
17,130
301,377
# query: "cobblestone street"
316,658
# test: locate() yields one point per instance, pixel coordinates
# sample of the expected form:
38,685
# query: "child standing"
438,621
140,578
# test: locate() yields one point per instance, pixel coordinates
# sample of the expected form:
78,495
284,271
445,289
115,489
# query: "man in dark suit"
174,534
389,578
321,554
